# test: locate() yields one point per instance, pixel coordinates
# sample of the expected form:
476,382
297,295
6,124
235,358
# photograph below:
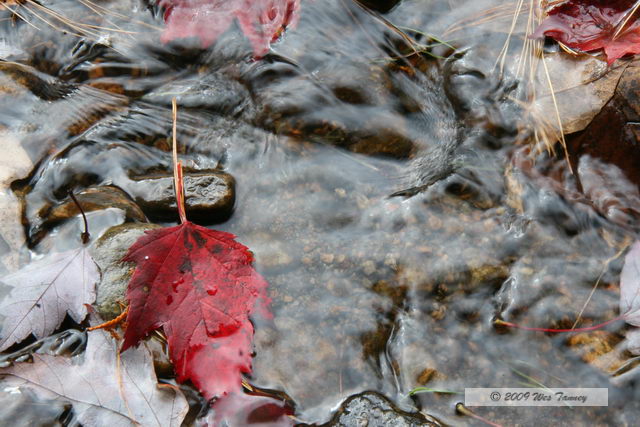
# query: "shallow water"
370,292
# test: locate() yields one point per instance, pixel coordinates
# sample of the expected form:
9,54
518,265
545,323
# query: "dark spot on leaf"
185,266
200,241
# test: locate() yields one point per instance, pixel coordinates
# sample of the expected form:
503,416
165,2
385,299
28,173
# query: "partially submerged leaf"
44,292
630,286
242,409
603,156
261,21
580,89
630,296
199,286
589,25
103,390
633,341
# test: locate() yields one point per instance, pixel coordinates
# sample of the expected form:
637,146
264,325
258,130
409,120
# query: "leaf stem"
432,390
468,412
587,329
84,236
178,180
111,323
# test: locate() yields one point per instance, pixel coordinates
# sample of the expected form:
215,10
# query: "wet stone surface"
108,252
371,409
209,195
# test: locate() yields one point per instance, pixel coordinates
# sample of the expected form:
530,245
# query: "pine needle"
623,25
177,166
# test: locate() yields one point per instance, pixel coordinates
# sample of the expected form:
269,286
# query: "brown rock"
426,375
598,348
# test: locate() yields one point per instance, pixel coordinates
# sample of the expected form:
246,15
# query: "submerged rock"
91,199
209,195
108,253
371,409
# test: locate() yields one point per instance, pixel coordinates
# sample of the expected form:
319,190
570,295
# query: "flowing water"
370,292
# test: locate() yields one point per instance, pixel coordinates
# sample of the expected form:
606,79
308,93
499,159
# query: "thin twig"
111,323
593,290
85,236
563,141
466,411
557,331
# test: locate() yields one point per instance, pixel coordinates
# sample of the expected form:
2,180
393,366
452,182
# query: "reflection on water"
370,292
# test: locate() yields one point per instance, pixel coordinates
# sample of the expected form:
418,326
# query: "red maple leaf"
199,286
261,21
594,24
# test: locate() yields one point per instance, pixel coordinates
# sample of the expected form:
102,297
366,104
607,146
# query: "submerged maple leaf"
261,21
594,24
44,292
199,286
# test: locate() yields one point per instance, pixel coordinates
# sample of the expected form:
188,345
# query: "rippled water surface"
370,292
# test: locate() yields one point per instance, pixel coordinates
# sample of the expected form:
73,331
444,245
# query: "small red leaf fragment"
249,409
589,25
261,21
199,286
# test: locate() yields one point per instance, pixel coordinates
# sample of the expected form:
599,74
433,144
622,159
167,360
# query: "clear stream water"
370,292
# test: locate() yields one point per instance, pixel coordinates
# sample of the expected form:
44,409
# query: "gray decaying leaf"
630,286
633,341
630,295
106,389
44,291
